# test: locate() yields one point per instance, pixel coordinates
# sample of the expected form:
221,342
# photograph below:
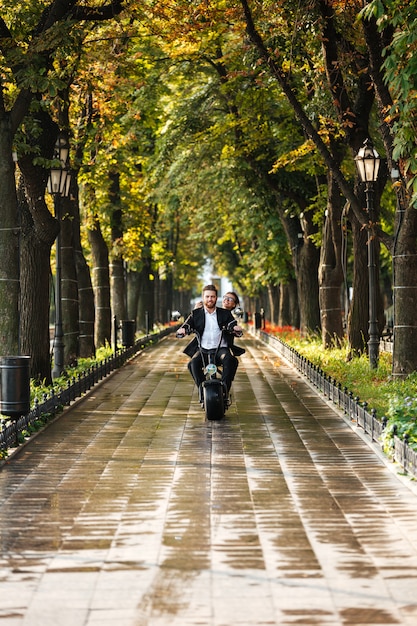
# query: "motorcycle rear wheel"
213,401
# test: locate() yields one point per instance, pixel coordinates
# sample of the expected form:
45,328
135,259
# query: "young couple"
230,300
209,321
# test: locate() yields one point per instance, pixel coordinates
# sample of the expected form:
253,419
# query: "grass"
39,390
395,399
374,386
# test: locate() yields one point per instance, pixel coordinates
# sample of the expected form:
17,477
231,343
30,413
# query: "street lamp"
59,186
367,163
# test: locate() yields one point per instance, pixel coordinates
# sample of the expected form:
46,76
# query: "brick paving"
132,510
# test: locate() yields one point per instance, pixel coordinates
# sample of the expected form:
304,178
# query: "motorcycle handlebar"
230,328
181,335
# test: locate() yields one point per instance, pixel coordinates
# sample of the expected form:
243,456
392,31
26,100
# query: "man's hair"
210,288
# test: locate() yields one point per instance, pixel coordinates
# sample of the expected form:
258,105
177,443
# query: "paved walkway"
131,510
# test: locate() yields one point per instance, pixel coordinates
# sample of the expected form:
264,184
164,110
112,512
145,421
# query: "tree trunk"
132,285
163,297
403,248
405,295
9,245
34,300
289,314
86,306
308,289
359,307
117,271
330,270
358,319
101,286
307,258
273,298
146,309
284,316
293,307
117,289
69,284
86,312
181,301
40,232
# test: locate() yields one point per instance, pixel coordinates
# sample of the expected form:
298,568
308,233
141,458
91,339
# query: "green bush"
402,421
393,399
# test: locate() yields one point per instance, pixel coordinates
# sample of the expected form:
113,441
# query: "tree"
28,64
212,130
390,31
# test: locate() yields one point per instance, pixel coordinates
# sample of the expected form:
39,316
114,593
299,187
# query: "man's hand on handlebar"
181,332
234,329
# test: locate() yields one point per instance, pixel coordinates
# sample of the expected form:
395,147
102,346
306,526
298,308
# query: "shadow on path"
132,510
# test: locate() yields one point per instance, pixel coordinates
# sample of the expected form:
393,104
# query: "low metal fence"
344,399
10,435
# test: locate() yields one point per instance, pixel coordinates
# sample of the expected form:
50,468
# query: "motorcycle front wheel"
213,400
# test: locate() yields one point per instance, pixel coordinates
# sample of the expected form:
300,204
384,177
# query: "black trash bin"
14,385
128,333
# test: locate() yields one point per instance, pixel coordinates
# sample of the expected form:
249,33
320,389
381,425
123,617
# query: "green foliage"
402,420
371,386
400,68
208,158
173,98
40,391
393,399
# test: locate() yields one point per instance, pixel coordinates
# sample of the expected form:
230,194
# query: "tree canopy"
217,130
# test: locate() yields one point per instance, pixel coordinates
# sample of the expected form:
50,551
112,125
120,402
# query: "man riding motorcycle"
209,322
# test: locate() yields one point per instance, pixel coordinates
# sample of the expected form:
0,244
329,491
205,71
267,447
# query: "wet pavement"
132,510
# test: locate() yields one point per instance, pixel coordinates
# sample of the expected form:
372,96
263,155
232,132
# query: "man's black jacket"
196,321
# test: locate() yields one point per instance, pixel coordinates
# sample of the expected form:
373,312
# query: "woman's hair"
234,294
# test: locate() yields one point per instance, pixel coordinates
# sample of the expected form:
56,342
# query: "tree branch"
306,123
105,12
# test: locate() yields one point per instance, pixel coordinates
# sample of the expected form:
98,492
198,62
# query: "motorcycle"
215,399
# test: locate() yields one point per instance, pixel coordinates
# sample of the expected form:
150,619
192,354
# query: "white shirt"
211,336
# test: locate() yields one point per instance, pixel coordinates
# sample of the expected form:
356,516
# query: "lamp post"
58,186
367,163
